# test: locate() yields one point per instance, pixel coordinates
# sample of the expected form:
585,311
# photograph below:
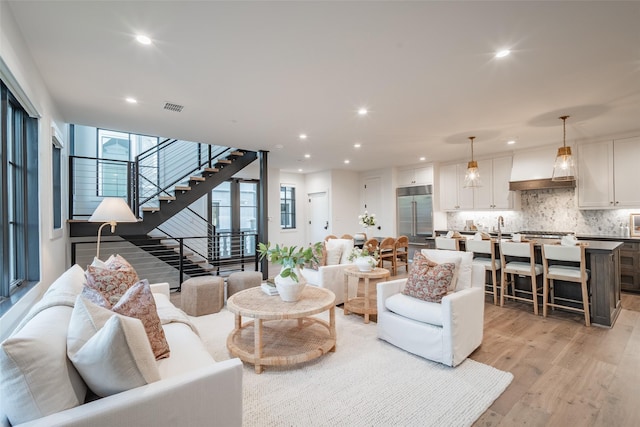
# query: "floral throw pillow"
112,280
138,302
427,280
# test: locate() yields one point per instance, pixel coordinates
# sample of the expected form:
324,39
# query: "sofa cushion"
427,280
36,377
463,277
414,308
111,351
188,352
111,278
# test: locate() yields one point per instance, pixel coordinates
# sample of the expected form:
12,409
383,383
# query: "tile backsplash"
547,210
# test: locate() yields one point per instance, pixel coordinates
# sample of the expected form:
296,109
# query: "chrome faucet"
500,225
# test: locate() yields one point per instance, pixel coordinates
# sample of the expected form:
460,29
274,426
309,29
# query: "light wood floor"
565,374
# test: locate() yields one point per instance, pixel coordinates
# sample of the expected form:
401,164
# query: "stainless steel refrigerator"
415,215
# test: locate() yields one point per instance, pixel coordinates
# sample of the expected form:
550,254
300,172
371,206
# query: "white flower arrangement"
367,219
357,253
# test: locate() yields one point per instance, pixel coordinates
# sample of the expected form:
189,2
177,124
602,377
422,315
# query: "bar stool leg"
534,292
495,289
585,303
545,295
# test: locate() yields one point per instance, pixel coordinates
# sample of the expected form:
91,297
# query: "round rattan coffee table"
283,333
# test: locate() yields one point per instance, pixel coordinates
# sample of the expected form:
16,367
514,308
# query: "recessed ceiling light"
503,53
142,39
131,100
299,170
422,159
346,162
511,141
303,136
306,156
363,111
357,145
279,146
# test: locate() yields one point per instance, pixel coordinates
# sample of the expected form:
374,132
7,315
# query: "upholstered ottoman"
242,280
202,295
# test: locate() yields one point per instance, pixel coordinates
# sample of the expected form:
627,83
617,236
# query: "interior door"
373,205
318,217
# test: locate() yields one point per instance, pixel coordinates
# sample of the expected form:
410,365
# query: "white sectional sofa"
41,387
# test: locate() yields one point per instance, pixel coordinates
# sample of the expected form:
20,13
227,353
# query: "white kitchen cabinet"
494,192
453,196
608,174
415,176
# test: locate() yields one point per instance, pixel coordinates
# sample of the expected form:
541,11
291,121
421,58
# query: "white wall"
54,257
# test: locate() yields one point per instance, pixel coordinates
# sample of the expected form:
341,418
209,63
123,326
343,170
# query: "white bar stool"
490,263
568,273
447,243
510,269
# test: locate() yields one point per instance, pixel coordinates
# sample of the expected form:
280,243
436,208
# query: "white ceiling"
256,74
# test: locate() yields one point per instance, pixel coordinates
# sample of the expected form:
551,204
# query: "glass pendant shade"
564,168
472,176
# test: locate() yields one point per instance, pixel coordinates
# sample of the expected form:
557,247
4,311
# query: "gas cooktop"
545,234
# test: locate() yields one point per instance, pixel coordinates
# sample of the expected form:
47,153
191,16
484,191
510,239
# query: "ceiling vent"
173,107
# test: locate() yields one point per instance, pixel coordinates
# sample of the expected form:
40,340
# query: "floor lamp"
111,211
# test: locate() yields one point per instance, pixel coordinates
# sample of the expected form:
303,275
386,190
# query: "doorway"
318,217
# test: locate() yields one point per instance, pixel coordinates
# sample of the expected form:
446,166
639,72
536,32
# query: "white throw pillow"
333,248
345,245
463,259
36,377
111,352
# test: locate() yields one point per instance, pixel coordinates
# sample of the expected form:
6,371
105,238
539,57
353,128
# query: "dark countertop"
588,237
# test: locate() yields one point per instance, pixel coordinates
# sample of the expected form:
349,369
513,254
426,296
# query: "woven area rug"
366,382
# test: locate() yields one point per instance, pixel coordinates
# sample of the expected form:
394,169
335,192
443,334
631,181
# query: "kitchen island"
603,260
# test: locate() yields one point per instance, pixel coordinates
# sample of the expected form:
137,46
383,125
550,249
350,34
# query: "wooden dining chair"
484,254
402,253
387,253
347,236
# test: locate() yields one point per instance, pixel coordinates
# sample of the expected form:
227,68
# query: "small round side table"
362,305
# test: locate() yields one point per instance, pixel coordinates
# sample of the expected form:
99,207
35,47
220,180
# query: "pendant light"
472,176
563,168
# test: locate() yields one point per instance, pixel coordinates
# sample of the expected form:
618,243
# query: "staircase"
156,203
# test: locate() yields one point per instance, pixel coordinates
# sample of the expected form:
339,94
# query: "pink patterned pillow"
429,281
138,302
112,280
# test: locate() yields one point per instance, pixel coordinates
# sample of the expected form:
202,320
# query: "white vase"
288,289
365,263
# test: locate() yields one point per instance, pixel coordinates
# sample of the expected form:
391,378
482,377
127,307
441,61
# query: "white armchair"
445,332
332,276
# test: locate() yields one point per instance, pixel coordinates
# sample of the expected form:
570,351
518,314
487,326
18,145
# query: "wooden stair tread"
211,170
206,267
167,198
224,161
150,209
184,253
237,153
198,260
182,188
197,178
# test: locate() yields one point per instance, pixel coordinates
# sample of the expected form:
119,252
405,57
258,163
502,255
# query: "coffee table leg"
332,326
238,321
366,300
257,344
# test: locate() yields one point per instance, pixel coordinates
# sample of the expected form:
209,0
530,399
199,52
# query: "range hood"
532,170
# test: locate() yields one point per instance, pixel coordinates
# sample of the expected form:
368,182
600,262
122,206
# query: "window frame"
289,190
19,207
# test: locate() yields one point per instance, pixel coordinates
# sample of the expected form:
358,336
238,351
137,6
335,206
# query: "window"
287,207
19,218
56,165
115,150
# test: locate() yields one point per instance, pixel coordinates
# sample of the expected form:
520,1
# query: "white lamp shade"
113,209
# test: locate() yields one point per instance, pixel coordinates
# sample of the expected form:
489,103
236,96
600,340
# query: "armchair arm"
386,289
463,322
